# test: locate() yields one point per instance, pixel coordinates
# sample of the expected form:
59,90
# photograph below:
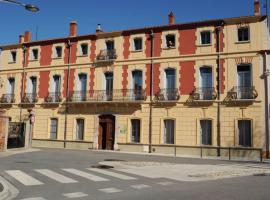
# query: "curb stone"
9,191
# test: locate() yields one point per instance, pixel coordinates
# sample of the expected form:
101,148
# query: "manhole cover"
102,166
115,160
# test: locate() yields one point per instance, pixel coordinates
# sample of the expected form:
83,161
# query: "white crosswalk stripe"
75,195
85,175
55,176
110,190
34,198
23,178
140,186
113,174
165,183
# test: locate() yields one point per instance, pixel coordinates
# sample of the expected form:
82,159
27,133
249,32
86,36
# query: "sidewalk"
15,151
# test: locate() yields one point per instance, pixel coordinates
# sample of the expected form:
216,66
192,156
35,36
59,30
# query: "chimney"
21,39
171,18
98,29
73,29
27,36
257,8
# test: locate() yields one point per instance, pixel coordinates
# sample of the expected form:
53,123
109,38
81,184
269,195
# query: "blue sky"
54,16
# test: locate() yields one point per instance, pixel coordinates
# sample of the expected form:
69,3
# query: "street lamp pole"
28,7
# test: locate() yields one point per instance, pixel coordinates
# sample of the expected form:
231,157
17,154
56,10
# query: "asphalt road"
56,174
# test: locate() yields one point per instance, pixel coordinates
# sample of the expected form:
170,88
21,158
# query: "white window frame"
12,60
137,38
242,27
81,49
55,52
166,45
206,31
32,54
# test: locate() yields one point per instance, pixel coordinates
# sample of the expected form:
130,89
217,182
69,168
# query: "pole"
266,103
23,79
151,91
67,92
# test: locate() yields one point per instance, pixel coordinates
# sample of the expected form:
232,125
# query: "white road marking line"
34,198
85,175
110,190
165,183
140,186
55,176
113,174
23,178
75,195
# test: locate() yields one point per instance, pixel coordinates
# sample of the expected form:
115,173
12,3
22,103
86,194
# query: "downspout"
151,91
67,92
218,28
23,78
266,103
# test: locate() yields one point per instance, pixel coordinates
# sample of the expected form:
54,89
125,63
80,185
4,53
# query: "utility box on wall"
3,130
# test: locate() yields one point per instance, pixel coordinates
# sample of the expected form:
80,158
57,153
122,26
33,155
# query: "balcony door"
244,82
137,84
206,83
32,88
82,86
56,87
110,45
10,90
170,84
109,85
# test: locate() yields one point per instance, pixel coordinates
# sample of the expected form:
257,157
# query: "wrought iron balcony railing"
53,97
111,95
30,98
204,93
238,93
167,95
8,98
107,55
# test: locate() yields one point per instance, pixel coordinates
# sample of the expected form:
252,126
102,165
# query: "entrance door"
106,132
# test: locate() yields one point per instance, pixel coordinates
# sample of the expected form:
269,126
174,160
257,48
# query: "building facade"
149,89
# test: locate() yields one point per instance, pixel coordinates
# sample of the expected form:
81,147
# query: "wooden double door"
106,132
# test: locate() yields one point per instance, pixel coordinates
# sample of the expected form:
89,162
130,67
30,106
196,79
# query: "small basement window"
137,44
84,49
58,52
243,34
170,41
35,54
13,56
205,37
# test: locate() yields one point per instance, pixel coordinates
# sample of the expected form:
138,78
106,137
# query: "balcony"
204,94
106,55
242,93
53,97
167,95
29,98
120,95
7,99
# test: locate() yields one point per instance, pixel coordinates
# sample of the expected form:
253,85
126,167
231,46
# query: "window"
244,133
169,131
34,54
243,34
58,52
170,84
244,82
57,85
135,130
110,44
137,44
109,85
82,86
13,56
206,37
80,129
137,84
54,127
206,83
170,41
206,132
84,49
11,86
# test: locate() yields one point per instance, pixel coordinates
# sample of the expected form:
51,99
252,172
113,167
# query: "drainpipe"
218,28
23,78
151,91
69,44
266,103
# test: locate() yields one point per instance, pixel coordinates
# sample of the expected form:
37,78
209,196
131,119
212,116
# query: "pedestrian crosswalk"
56,176
23,178
85,175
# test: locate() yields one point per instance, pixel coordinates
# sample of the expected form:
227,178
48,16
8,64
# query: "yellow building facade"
166,89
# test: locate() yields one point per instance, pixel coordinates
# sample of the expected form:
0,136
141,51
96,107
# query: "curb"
9,191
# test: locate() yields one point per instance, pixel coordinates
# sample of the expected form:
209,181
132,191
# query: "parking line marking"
113,174
85,175
55,176
23,178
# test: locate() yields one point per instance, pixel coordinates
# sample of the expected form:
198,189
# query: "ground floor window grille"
244,133
79,129
54,126
169,131
136,129
206,132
